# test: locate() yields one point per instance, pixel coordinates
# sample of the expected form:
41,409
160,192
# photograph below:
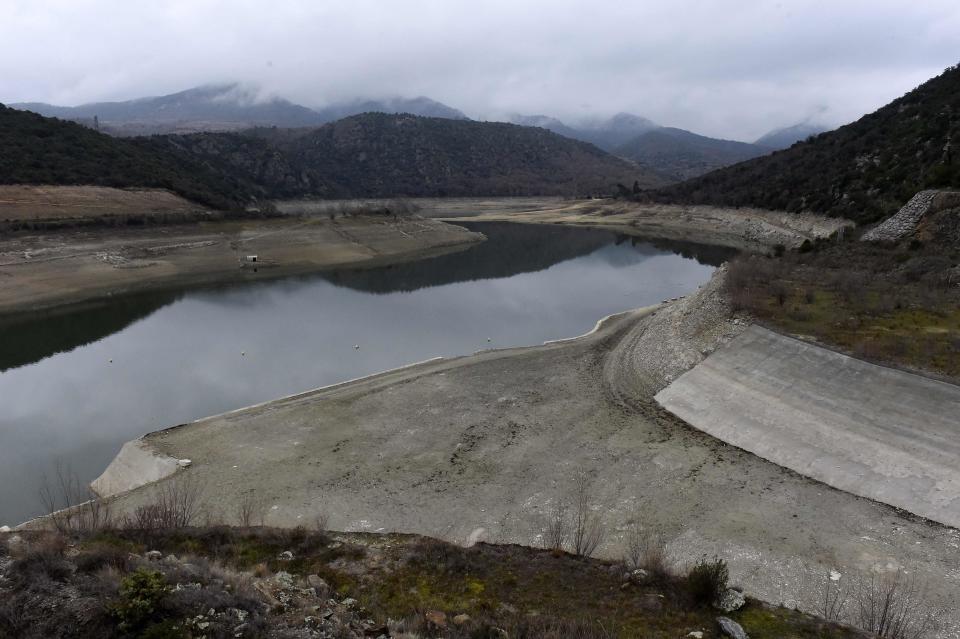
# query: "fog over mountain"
723,70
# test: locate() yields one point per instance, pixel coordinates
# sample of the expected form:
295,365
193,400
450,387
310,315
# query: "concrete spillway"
872,431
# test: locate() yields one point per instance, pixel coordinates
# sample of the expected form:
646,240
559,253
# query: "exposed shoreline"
490,440
60,271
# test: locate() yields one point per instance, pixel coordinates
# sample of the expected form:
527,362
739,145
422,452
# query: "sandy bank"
743,228
43,270
492,440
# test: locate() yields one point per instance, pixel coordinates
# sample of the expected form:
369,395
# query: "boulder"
286,555
730,600
730,628
153,555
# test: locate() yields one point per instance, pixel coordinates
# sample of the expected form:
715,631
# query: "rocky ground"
255,582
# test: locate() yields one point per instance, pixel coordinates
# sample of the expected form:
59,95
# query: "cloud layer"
730,69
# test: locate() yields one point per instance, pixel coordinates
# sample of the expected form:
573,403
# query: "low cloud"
717,67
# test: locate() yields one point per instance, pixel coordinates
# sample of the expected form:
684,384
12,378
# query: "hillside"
382,155
863,171
181,582
38,150
681,155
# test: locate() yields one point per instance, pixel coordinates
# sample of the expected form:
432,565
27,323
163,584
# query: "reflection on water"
75,386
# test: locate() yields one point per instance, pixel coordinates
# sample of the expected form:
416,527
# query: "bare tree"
249,509
588,526
176,505
556,533
647,549
71,506
835,599
894,606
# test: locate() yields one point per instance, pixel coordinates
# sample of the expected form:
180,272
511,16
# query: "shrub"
141,593
707,581
41,563
646,549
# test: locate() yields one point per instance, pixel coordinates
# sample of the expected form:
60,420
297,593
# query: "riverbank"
53,269
745,229
486,444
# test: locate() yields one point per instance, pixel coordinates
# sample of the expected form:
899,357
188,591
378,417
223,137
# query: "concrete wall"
873,431
137,464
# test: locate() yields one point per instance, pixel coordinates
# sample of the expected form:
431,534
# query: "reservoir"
75,386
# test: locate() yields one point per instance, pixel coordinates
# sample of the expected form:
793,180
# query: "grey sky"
733,68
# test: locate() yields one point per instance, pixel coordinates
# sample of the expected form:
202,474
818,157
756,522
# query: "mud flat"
490,441
743,228
40,270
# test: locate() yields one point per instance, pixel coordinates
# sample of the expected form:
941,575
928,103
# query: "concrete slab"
873,431
137,464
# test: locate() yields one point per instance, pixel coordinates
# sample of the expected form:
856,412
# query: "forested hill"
39,150
386,155
367,155
863,171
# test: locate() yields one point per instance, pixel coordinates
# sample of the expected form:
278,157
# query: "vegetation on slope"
890,303
863,171
259,582
681,155
39,150
382,155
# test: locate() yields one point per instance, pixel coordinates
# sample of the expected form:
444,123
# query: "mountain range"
672,153
863,171
788,136
224,107
366,155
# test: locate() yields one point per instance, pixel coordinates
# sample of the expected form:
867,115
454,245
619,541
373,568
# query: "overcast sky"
733,68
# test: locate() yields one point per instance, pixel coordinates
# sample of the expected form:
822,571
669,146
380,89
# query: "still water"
74,387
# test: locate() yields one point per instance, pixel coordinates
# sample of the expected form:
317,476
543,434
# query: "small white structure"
248,258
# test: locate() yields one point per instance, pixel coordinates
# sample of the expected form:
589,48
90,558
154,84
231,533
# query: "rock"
436,618
834,575
695,634
286,555
730,628
171,559
4,529
349,602
321,587
461,619
284,579
639,576
153,555
730,600
184,463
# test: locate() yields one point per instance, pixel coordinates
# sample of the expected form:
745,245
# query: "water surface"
75,386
